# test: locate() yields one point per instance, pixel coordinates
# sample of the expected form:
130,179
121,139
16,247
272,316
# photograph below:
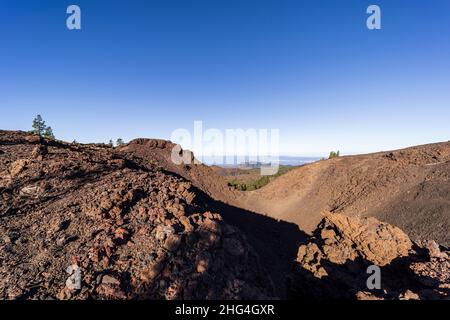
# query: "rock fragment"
334,264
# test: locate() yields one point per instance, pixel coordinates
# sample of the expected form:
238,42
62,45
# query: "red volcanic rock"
334,264
136,231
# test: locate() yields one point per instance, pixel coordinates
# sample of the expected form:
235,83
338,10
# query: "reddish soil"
135,231
409,188
141,227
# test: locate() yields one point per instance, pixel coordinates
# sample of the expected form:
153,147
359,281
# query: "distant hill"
409,188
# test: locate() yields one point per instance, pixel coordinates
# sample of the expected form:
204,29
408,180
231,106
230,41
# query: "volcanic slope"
275,241
159,153
132,230
409,188
140,226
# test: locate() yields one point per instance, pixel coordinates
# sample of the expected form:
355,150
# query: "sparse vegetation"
48,133
41,129
333,154
251,185
38,125
119,142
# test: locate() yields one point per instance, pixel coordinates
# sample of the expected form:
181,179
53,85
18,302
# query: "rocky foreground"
136,228
334,264
135,231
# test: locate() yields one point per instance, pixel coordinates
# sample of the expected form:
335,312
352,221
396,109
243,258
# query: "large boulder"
335,263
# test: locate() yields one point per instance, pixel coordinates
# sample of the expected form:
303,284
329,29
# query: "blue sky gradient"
310,68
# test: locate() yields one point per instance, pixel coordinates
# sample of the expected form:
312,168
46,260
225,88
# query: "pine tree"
38,125
41,129
48,133
110,143
119,142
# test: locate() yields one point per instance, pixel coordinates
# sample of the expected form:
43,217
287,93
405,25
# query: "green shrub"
333,154
258,183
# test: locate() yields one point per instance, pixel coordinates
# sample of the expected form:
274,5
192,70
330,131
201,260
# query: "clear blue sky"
310,68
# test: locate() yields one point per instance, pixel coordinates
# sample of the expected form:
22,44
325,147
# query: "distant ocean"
297,161
238,161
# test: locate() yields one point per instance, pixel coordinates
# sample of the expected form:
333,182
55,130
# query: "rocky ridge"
138,226
133,230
